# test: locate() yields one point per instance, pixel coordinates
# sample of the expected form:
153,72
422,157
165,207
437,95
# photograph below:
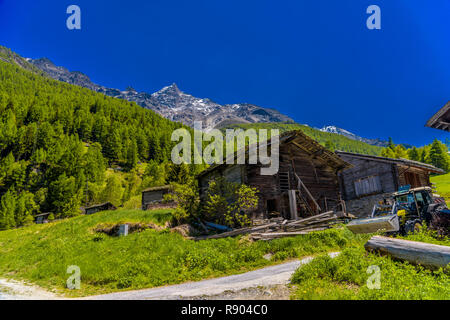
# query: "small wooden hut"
153,198
42,218
100,207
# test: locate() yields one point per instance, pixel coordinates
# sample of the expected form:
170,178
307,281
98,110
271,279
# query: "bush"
187,200
228,203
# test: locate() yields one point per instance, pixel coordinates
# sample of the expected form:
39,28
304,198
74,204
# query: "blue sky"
315,61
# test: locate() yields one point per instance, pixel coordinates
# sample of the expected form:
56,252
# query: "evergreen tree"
413,154
7,210
388,153
424,156
25,208
438,155
132,155
132,184
179,174
65,197
400,152
113,191
8,130
113,147
330,145
154,175
94,163
391,144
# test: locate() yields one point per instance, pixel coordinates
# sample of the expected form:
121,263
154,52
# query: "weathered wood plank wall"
367,168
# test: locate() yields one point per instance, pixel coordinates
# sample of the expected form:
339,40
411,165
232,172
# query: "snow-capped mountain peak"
176,105
334,129
171,102
348,134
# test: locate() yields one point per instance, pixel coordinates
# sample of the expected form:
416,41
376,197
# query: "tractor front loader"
403,212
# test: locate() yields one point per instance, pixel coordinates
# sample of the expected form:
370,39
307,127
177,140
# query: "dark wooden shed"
99,207
153,198
306,183
42,218
372,178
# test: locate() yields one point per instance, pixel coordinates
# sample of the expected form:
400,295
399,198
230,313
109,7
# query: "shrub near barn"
226,203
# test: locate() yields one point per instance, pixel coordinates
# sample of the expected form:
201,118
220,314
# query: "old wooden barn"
306,183
99,207
372,178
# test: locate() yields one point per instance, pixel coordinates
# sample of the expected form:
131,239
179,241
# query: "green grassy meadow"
345,277
41,254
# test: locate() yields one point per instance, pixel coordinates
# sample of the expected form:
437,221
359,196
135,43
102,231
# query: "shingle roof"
401,161
166,187
302,141
99,205
441,120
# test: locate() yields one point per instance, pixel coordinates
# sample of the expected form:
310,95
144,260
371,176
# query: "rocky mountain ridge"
172,103
176,105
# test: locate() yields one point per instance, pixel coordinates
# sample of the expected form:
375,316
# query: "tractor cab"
413,203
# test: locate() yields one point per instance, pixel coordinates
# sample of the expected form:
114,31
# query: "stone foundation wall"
160,205
363,207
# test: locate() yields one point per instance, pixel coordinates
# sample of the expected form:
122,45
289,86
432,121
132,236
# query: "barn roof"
100,205
43,214
159,188
301,141
441,120
401,161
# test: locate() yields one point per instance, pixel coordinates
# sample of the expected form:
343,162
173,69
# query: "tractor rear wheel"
417,227
412,226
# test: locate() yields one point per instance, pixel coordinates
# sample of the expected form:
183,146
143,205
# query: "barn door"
366,186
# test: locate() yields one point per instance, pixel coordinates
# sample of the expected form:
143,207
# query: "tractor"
405,211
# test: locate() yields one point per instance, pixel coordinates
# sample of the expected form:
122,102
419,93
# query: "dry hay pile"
186,230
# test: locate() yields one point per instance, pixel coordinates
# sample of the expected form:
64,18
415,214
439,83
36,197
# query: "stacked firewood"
296,227
269,229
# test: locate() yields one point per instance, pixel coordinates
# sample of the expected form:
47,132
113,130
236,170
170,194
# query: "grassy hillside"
333,140
42,253
57,141
442,186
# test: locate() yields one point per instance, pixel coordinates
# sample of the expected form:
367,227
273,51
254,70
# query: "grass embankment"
346,276
41,253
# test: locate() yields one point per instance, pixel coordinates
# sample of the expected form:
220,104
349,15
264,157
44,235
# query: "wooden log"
202,225
300,228
293,204
276,235
310,225
236,232
314,222
425,254
316,217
